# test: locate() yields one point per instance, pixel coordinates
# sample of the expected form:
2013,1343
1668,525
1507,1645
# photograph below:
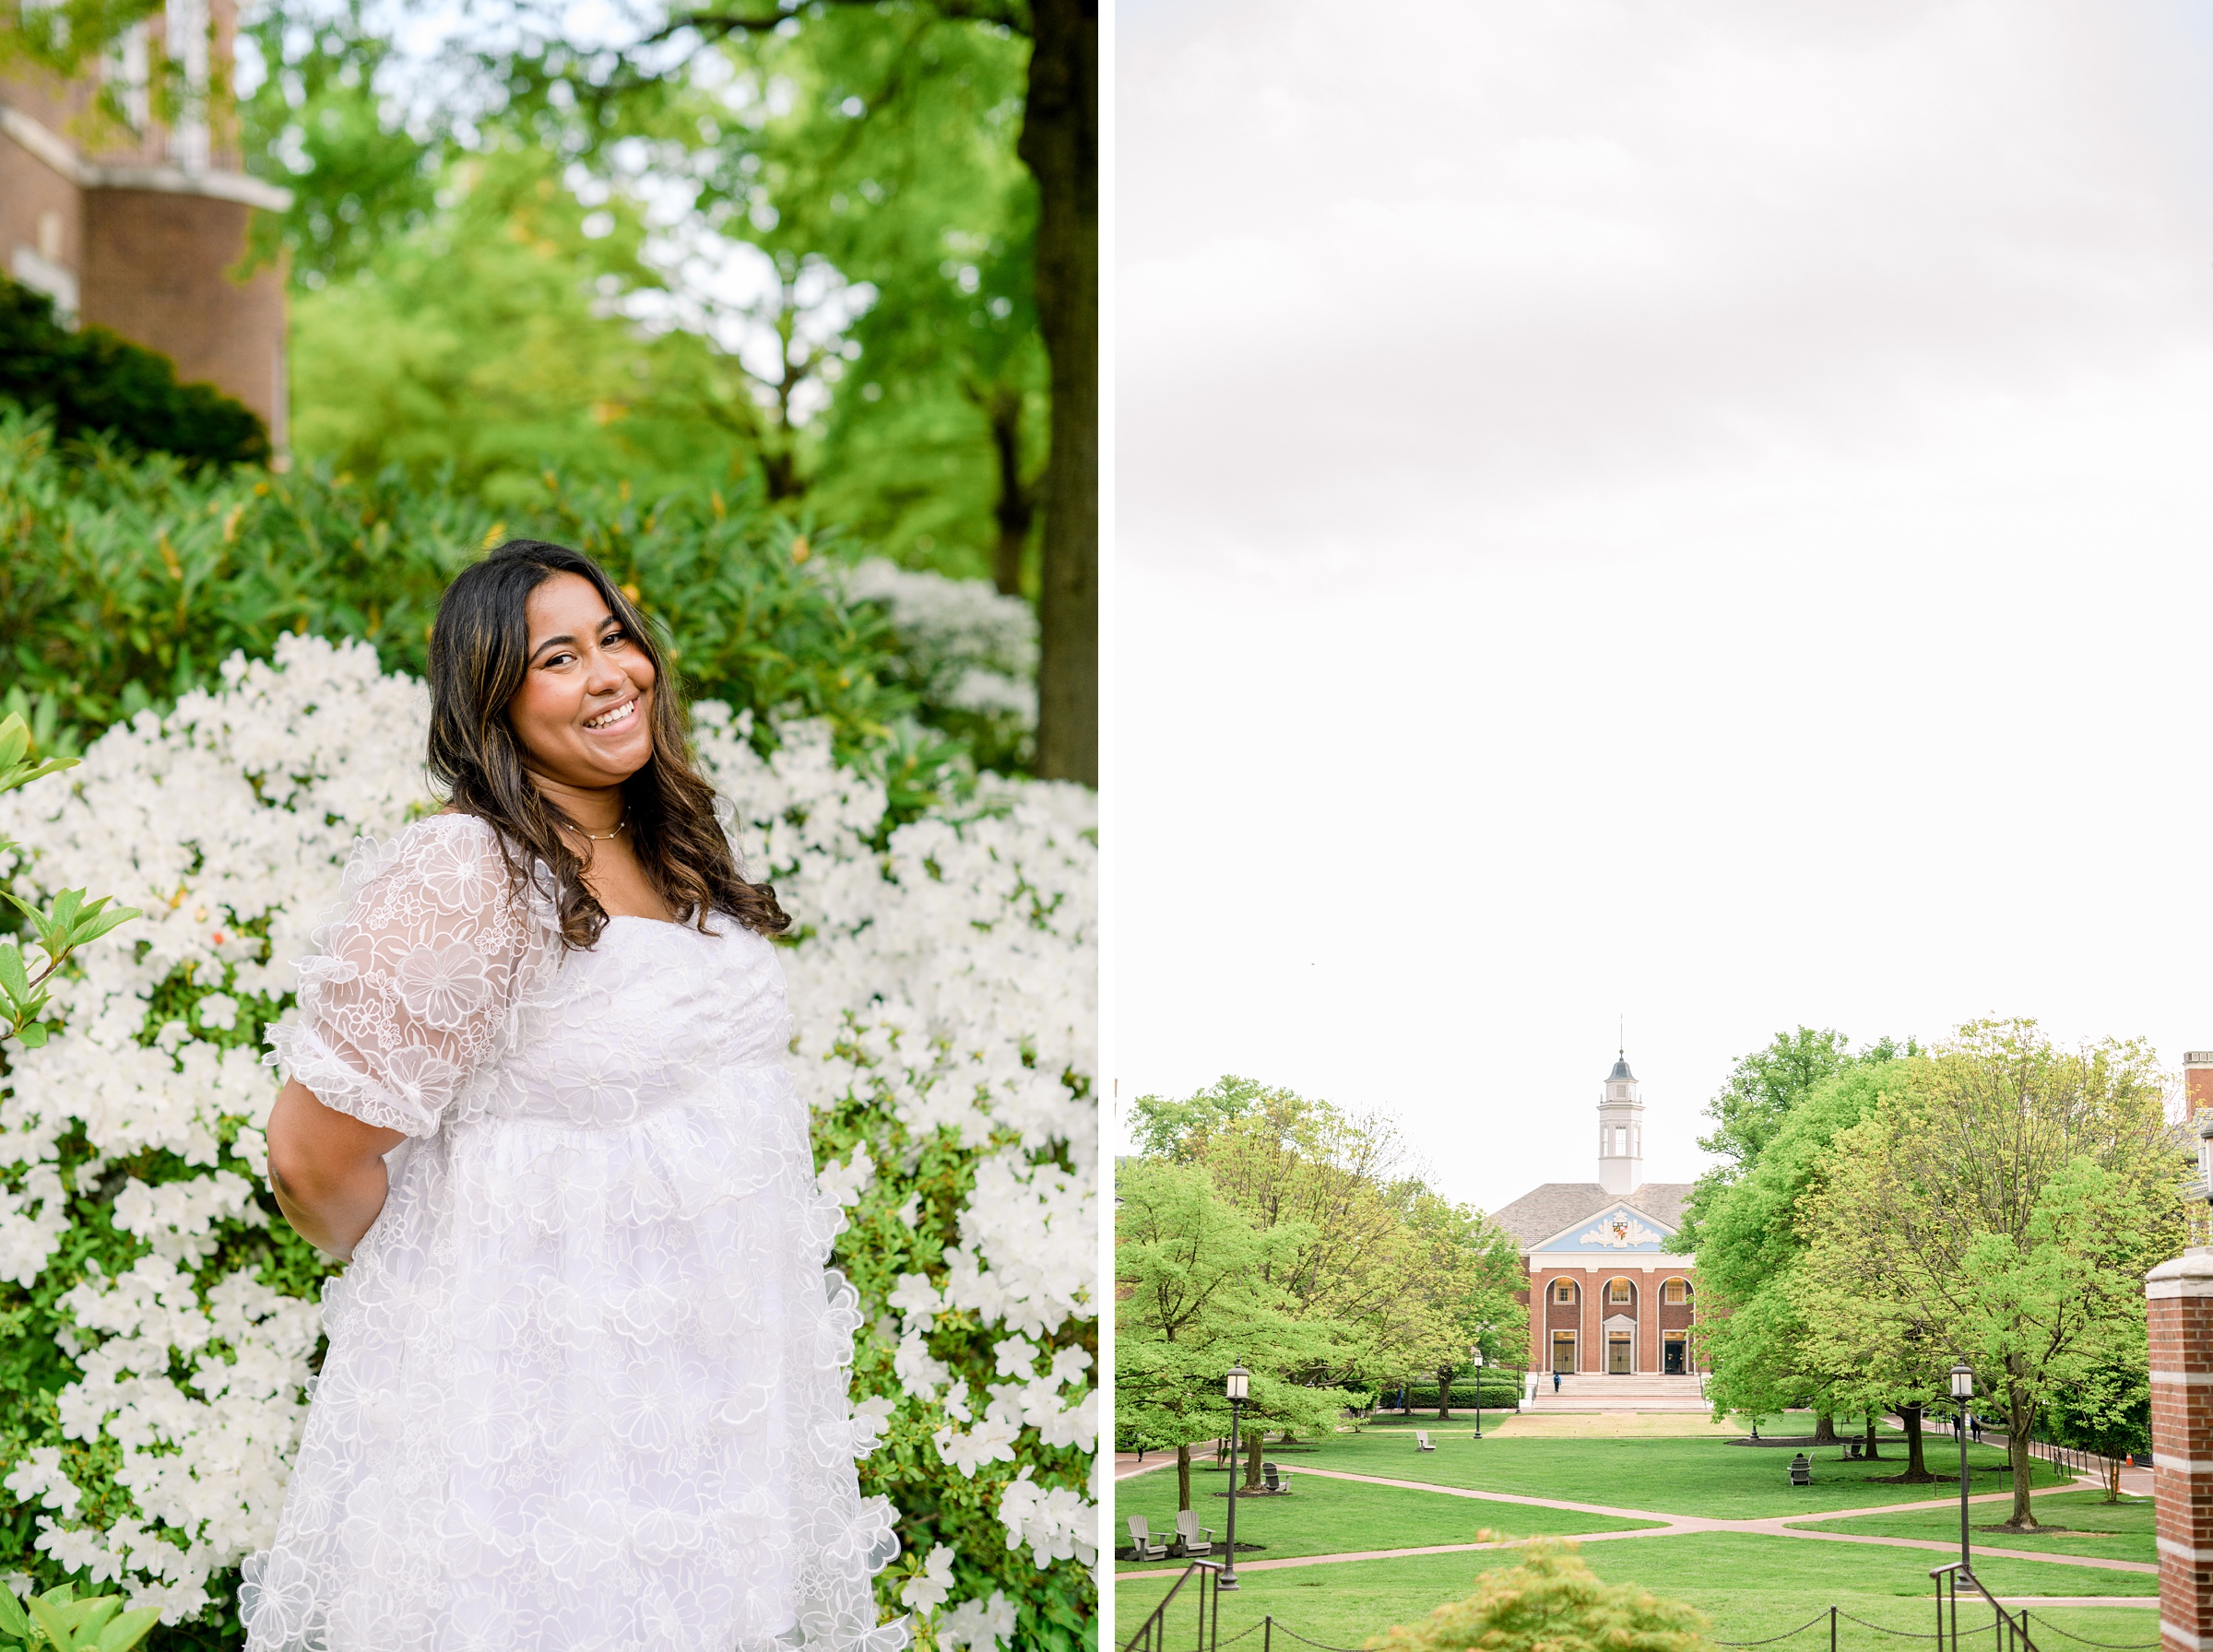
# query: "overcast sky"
1696,513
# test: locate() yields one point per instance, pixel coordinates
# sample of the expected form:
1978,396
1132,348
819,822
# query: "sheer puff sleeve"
415,973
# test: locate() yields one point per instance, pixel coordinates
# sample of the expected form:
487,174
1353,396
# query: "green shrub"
125,580
1499,1388
1552,1602
94,382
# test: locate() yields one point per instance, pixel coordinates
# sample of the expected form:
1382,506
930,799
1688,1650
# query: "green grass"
1714,1478
1750,1586
1330,1516
2108,1531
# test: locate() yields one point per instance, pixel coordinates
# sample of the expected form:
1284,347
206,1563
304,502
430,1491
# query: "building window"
1618,1291
1675,1290
1563,1291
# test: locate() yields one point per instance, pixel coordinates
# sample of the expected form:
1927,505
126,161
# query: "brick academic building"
138,229
1604,1298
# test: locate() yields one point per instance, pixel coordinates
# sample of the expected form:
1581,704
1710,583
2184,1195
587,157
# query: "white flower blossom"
927,1590
980,1625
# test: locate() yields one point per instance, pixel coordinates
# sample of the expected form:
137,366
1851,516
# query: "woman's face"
583,710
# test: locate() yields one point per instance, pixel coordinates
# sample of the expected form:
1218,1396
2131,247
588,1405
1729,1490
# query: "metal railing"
1153,1634
2009,1631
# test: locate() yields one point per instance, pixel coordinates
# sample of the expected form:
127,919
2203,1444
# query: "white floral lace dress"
585,1383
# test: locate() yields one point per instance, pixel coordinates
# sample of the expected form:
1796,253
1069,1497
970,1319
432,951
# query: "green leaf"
130,1629
15,980
32,1034
15,740
12,1620
49,1618
87,1616
93,923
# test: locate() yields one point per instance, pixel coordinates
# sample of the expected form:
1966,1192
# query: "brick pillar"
2179,1305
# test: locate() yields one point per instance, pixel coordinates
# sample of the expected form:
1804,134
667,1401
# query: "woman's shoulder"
451,859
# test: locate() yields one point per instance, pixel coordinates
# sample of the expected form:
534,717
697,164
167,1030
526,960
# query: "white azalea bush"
159,1320
969,652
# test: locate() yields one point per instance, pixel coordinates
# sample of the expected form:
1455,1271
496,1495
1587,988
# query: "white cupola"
1620,1131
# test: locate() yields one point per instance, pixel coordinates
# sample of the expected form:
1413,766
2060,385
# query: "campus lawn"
1714,1478
1329,1517
2108,1531
1750,1587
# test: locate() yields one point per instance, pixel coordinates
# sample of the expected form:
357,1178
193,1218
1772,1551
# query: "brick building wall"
1587,1315
139,231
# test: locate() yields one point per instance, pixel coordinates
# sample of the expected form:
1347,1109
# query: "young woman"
586,1385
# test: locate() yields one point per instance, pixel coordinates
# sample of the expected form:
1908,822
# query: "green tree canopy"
2003,1204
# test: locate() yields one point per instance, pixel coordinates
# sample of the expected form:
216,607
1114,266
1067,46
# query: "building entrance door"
1563,1353
1671,1357
1618,1354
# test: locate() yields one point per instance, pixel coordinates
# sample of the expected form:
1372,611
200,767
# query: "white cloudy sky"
1695,512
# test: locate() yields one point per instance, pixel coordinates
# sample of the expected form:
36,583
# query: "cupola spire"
1620,1130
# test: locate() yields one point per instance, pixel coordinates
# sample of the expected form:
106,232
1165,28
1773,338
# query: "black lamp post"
1475,1353
1963,1390
1236,1385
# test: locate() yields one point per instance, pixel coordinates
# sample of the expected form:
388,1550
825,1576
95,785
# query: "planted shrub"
1552,1602
124,580
94,384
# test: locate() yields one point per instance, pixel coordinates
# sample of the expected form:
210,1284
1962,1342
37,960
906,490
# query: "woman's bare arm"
327,1169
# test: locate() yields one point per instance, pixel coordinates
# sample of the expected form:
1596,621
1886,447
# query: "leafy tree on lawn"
1750,1244
1192,1299
2109,1411
1761,1094
1404,1274
2006,1201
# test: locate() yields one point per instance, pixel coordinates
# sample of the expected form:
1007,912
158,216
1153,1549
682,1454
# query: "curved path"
1667,1525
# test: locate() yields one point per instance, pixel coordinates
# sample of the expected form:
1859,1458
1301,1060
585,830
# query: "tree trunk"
1444,1394
1825,1429
1183,1477
1870,1446
2019,1417
1059,144
1252,1461
1016,507
1917,1466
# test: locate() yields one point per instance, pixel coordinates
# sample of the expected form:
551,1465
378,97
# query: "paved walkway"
1670,1525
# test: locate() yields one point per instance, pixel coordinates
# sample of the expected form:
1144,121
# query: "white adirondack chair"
1148,1547
1421,1440
1196,1540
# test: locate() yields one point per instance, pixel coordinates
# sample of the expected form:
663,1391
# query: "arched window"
1618,1291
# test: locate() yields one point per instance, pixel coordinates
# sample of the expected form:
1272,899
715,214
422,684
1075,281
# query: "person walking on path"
1556,1381
587,1382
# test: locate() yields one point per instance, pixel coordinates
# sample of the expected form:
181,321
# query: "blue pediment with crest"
1617,1228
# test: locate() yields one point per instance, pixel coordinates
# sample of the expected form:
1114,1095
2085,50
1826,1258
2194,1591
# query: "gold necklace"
601,837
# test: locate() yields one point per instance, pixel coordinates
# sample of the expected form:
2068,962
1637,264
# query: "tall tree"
1192,1298
623,90
1404,1274
2004,1203
1752,1240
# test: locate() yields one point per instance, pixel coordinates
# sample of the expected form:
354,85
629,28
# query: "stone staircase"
1589,1391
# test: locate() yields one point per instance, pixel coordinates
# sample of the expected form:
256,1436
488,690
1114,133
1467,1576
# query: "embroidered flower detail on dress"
442,987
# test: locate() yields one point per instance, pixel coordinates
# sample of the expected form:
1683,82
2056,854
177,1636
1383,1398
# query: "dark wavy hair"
480,655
